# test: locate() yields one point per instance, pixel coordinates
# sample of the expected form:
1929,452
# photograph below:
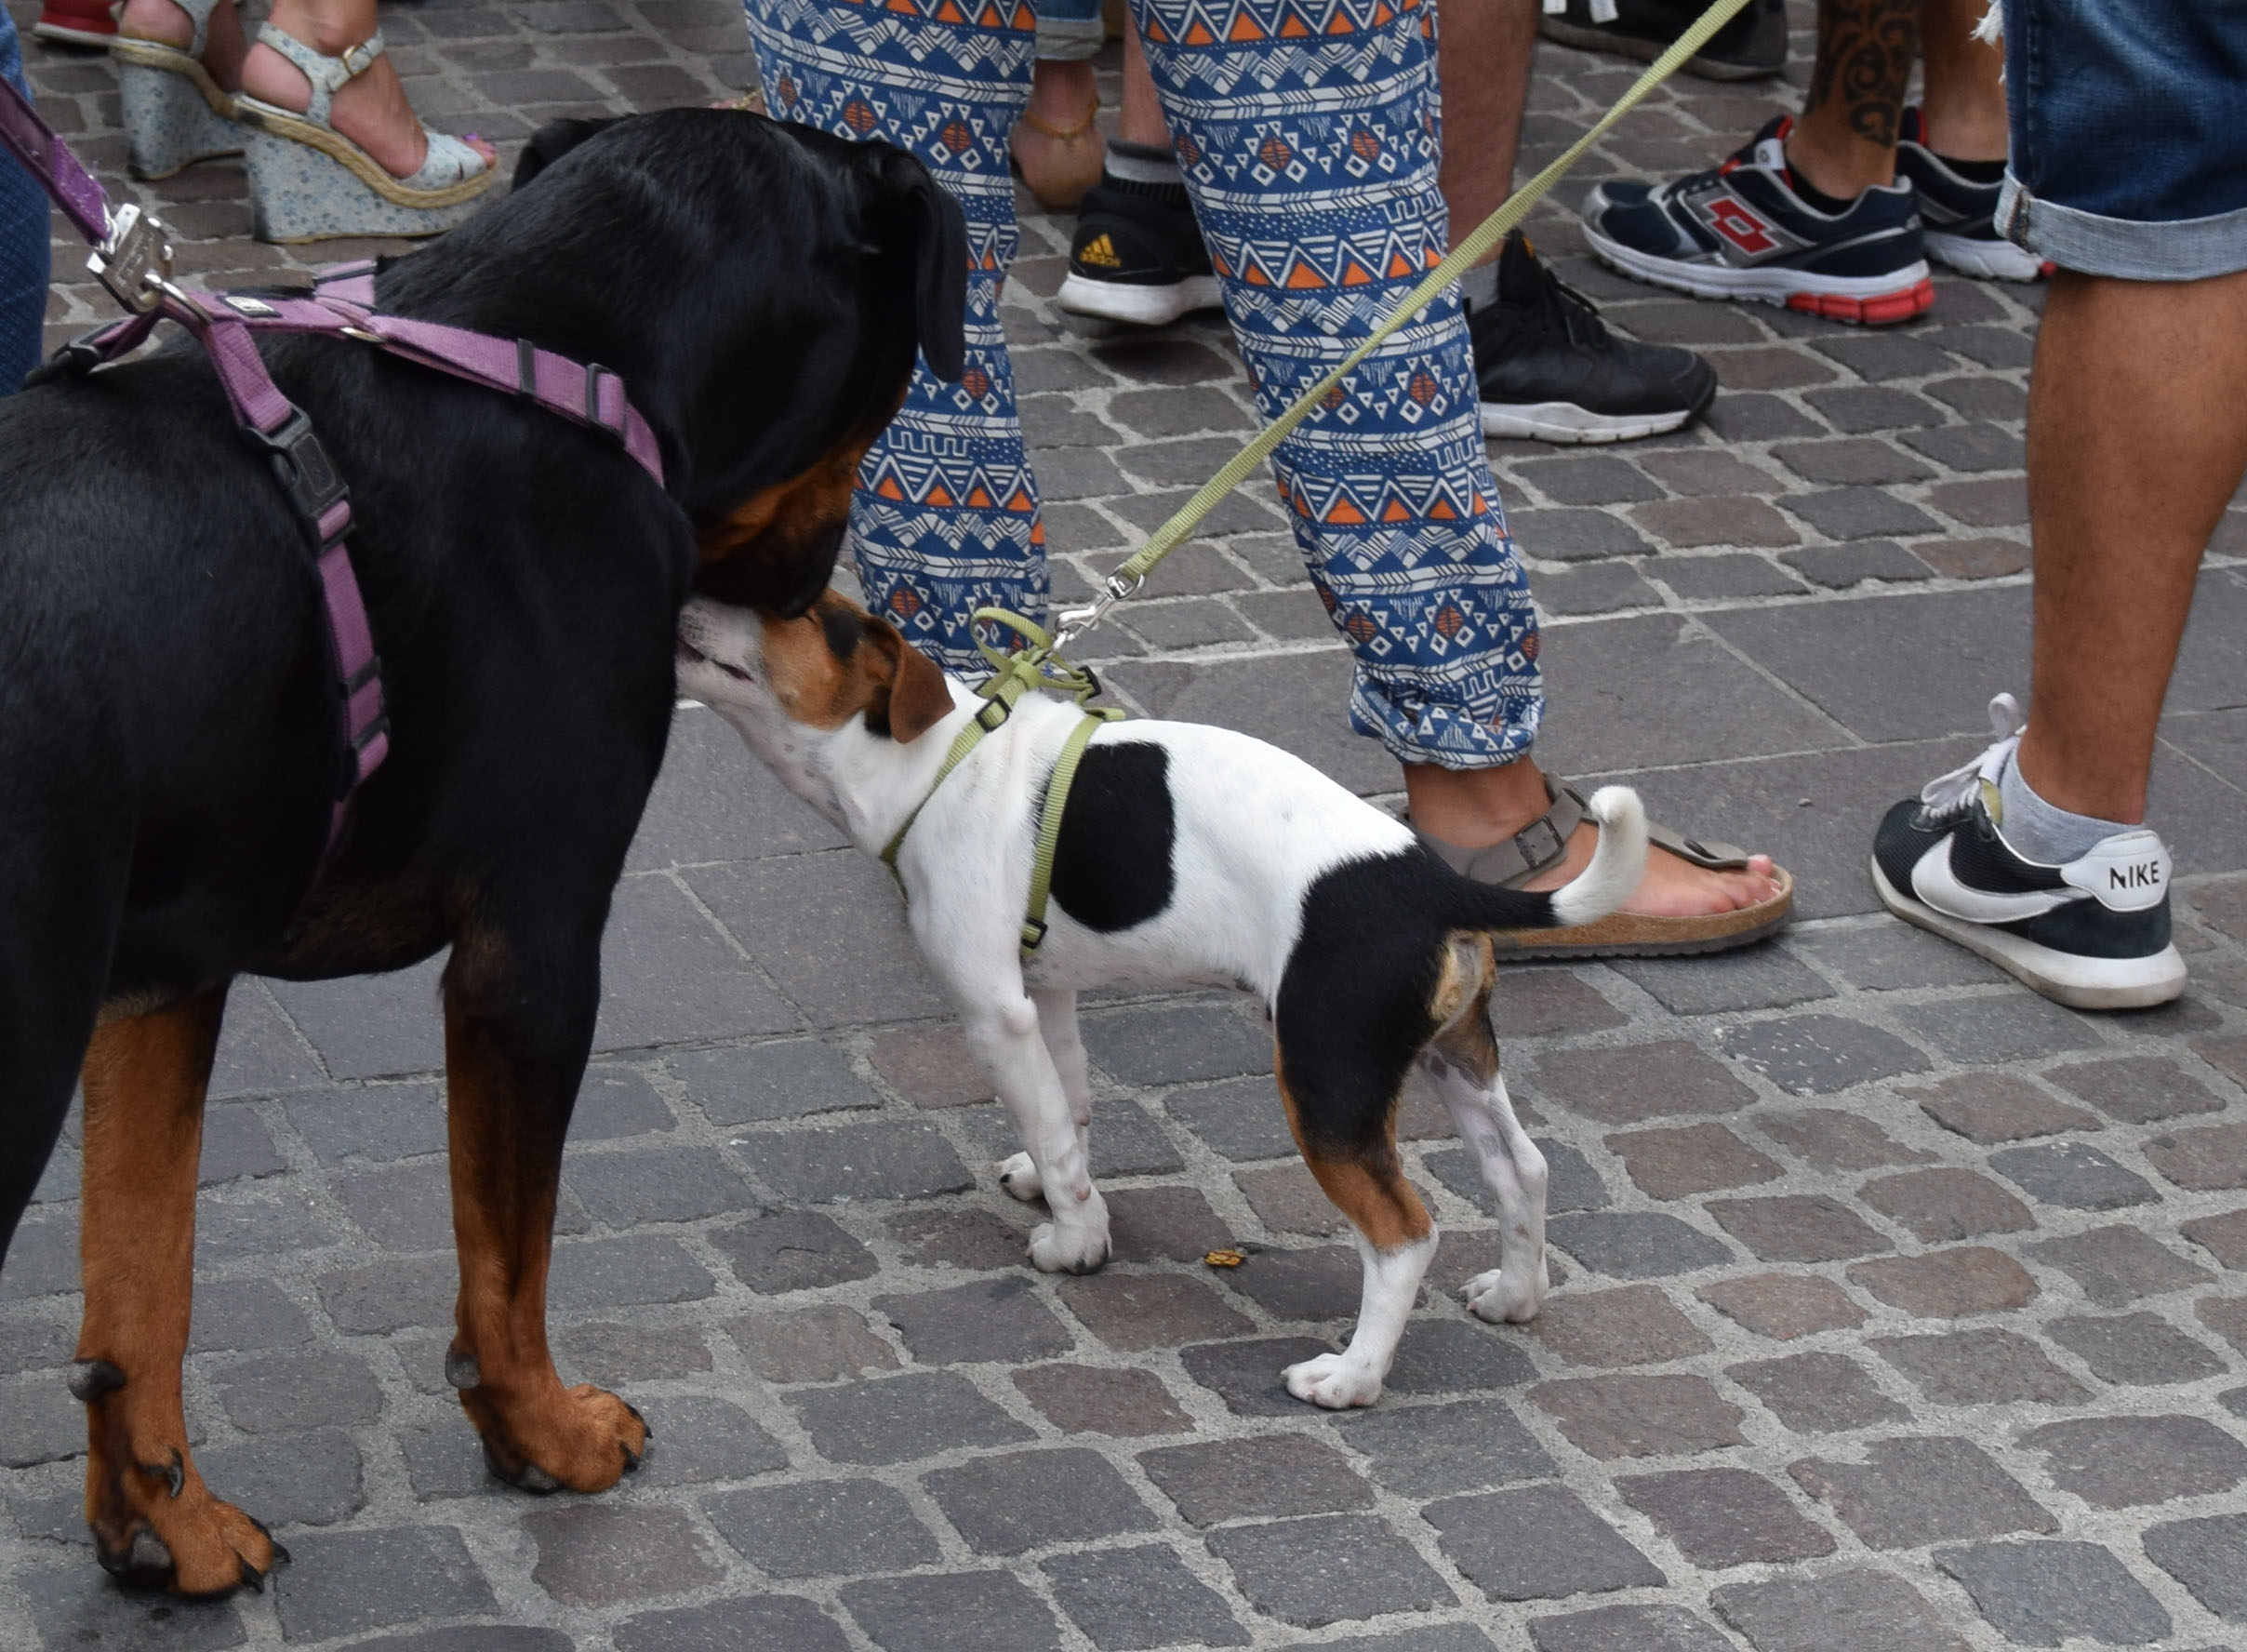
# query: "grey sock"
2038,831
1141,163
1478,286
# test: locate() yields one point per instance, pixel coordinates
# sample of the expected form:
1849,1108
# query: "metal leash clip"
135,259
1071,623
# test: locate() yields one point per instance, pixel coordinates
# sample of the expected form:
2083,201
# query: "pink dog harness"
133,258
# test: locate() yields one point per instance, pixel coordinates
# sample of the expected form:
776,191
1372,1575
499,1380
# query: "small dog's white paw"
1501,1300
1081,1252
1018,1175
1333,1382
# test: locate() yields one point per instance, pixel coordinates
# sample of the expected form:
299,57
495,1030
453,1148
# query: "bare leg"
1054,143
1483,57
223,48
1964,105
2138,437
1845,142
1141,120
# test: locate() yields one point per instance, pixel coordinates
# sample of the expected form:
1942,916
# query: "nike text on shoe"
2092,934
1549,371
1137,254
1753,44
1958,215
1741,232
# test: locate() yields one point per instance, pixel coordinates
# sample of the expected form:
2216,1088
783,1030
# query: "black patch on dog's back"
1112,862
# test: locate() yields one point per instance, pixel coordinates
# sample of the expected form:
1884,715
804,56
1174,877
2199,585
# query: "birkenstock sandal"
1075,165
1544,842
309,183
175,113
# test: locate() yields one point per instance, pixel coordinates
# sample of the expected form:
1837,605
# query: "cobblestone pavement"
1902,1311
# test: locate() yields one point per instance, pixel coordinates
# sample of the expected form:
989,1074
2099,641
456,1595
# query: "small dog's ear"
918,696
551,142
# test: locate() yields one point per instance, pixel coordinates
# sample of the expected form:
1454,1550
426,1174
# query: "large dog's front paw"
583,1438
1334,1382
156,1525
1506,1299
1018,1175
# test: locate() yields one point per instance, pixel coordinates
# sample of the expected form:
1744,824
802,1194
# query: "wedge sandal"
1544,842
309,183
175,113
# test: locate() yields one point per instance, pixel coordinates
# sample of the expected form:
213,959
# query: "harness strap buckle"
135,260
526,369
74,359
310,480
1033,932
361,677
991,724
594,374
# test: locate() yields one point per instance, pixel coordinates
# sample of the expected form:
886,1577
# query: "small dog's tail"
1617,865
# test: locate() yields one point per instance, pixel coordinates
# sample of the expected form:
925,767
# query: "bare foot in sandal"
1055,144
1472,809
371,109
164,22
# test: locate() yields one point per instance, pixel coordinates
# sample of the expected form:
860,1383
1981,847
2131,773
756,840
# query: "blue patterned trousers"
23,244
1307,134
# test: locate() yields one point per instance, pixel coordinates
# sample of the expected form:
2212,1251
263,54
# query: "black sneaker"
2092,934
1137,254
1552,372
1741,232
1753,44
1958,216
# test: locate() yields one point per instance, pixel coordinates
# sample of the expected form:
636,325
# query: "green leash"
1039,665
1127,579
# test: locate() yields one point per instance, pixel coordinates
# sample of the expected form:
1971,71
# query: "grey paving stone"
1366,1569
1636,1245
1246,1375
1626,1415
39,1422
1261,1477
470,1637
1969,446
1089,1400
237,1143
1797,1228
1863,1610
2013,1027
770,1081
895,1159
1457,1356
765,1624
713,802
700,1439
1539,1543
982,1240
1945,1204
1983,1367
1573,1184
2118,1265
285,1394
2224,1237
1839,566
239,1316
1856,408
1433,1637
1816,1055
1431,1450
445,1459
380,1122
793,1250
1240,1118
1758,978
670,1184
2043,1594
78,1606
1573,535
1538,1000
370,1026
1722,578
1004,1505
823,1528
1127,1599
1725,1517
895,1420
596,1274
996,1319
2136,1348
2074,1175
418,1291
1319,1284
1988,1108
1176,1043
1818,1393
406,1207
1909,1492
39,1344
614,1102
1633,1325
1125,1138
310,1479
610,1353
1627,1629
1587,479
2125,1462
1860,513
42,1259
952,1612
262,1219
2136,1089
599,1555
1134,1311
338,1582
2209,1557
1595,587
2211,1159
1859,461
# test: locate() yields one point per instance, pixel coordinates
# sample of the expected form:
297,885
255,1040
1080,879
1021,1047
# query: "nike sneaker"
1741,231
2092,934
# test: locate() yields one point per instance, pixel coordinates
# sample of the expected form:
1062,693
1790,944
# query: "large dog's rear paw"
584,1438
1333,1382
1020,1177
185,1540
1503,1300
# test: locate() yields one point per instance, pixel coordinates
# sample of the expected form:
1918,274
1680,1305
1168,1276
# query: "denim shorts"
1069,30
2129,136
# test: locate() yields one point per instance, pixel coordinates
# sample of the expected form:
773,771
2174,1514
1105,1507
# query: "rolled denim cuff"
1069,39
2126,250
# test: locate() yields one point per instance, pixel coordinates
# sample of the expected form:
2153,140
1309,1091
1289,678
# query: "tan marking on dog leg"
1365,1181
154,1521
505,1170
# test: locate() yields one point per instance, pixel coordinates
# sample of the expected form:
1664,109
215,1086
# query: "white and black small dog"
1188,854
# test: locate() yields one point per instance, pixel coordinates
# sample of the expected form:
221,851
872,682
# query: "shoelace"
1577,316
1949,794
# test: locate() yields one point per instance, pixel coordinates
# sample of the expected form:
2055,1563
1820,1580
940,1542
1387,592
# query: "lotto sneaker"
1958,217
1741,232
77,22
1137,254
2092,934
1753,44
1550,370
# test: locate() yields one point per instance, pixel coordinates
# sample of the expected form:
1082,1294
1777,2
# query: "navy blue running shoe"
1741,232
2092,934
1958,216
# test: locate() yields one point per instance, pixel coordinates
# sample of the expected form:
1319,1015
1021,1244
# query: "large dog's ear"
919,697
553,141
939,234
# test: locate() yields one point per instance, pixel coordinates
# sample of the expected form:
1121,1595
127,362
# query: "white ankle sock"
2039,831
1478,286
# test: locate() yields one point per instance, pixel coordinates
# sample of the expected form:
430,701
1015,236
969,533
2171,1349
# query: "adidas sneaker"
1137,254
1958,215
2092,934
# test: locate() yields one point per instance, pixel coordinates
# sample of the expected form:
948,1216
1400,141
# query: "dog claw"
252,1579
91,1379
173,1473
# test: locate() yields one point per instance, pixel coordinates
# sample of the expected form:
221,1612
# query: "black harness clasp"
308,479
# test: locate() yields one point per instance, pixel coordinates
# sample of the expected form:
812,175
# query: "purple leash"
133,258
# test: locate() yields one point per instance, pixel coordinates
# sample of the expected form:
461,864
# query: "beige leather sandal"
1544,842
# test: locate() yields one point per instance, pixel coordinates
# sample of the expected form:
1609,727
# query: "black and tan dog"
168,746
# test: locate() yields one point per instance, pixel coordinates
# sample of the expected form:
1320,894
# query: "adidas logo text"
1102,251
